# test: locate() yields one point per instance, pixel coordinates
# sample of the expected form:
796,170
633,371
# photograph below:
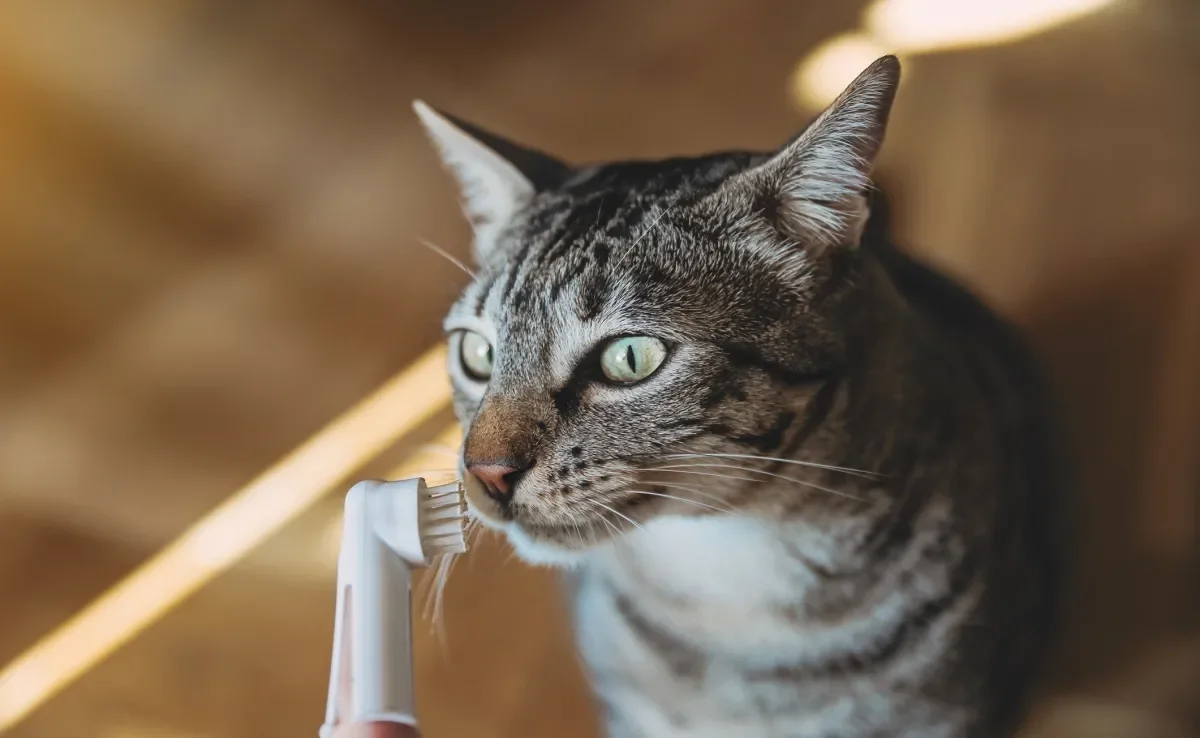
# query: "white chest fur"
729,590
715,585
715,582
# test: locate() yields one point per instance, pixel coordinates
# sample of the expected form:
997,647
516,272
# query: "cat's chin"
536,549
543,552
541,547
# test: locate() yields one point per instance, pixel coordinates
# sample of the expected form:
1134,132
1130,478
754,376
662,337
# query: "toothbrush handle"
340,689
373,613
339,650
381,637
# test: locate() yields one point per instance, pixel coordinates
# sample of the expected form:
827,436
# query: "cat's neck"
717,583
894,381
716,557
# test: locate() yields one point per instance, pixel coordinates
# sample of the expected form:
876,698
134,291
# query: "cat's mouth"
539,538
548,545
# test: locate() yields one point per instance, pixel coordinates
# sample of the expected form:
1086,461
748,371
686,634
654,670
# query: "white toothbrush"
389,529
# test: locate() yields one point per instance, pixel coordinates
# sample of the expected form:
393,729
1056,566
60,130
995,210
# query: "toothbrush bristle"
444,520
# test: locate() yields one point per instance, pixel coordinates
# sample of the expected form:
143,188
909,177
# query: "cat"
801,484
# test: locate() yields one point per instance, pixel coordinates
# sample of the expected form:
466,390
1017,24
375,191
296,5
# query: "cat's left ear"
495,176
814,189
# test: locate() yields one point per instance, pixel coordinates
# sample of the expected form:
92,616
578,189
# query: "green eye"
632,359
476,355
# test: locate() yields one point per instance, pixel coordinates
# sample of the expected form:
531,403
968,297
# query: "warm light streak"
225,535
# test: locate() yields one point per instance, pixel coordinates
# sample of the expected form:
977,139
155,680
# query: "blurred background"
210,223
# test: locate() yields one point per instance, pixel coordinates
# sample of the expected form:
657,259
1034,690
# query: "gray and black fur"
830,512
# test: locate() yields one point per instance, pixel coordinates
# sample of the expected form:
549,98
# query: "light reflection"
833,65
921,26
224,536
931,25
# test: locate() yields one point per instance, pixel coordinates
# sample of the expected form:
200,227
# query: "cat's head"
641,336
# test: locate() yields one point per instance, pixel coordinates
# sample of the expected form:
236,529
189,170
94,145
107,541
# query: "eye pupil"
631,358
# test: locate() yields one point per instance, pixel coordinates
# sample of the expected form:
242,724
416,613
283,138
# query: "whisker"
785,478
689,488
448,257
433,586
578,532
474,536
810,464
432,472
681,499
445,582
600,210
586,537
436,605
703,474
603,518
714,465
632,522
649,228
428,589
425,593
611,525
440,449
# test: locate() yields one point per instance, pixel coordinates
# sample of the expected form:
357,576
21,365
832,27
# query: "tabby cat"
803,486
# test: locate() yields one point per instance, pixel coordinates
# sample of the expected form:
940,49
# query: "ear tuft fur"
496,177
817,183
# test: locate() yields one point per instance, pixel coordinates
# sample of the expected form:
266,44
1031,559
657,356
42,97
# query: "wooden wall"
209,224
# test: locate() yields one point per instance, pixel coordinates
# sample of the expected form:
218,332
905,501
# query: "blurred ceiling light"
225,535
929,25
833,65
917,26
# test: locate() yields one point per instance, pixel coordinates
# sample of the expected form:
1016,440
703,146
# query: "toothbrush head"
416,521
442,512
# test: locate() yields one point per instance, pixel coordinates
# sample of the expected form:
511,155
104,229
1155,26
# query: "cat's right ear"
496,177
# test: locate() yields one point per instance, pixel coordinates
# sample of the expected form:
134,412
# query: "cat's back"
1028,525
996,353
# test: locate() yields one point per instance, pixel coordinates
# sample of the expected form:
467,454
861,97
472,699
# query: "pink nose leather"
494,479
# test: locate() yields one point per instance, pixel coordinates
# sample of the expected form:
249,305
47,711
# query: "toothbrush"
389,529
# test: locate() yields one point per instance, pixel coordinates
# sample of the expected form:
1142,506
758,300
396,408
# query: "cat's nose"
498,480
